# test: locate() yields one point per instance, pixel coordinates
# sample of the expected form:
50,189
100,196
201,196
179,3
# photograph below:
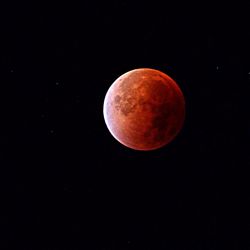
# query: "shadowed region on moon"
144,109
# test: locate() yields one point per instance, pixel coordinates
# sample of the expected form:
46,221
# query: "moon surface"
144,109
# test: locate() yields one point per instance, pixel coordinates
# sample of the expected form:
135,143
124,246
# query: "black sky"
66,183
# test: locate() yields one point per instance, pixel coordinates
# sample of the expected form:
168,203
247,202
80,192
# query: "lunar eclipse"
144,109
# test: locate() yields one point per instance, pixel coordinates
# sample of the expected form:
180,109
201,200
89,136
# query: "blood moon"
144,109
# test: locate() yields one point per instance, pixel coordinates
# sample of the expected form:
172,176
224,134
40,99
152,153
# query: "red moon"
144,109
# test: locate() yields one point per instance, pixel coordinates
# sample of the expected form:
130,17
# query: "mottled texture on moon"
144,109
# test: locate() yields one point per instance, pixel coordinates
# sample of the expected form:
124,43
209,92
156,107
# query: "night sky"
66,183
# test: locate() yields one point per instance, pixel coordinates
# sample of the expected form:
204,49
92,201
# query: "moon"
144,109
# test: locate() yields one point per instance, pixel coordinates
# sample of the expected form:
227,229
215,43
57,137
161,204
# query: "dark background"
66,183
